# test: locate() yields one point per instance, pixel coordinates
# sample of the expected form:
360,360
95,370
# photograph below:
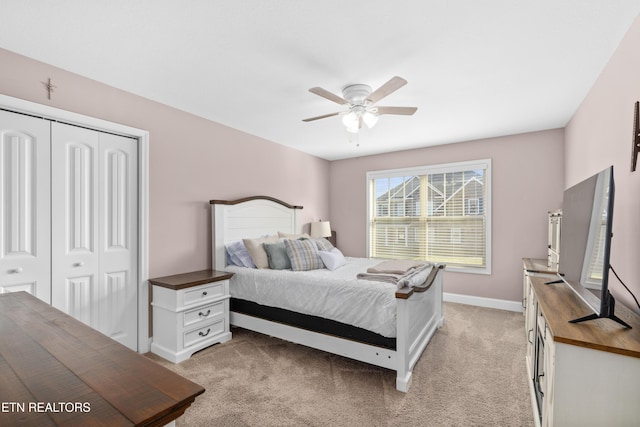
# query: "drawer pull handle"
204,334
17,270
205,314
204,293
78,264
539,381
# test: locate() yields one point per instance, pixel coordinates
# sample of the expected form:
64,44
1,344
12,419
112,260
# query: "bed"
403,318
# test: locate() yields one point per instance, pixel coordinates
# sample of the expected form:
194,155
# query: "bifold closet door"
25,232
94,229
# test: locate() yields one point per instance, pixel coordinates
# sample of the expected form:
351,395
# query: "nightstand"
190,312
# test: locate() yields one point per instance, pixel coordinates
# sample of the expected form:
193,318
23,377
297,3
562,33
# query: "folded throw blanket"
380,277
415,276
395,266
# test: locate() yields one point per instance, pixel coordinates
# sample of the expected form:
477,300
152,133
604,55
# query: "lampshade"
321,229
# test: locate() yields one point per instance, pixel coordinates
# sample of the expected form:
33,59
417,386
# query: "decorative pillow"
293,236
303,254
257,252
237,254
277,256
323,244
332,259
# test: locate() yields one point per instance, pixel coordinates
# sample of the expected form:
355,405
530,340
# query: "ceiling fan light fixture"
352,124
358,114
370,119
350,119
360,100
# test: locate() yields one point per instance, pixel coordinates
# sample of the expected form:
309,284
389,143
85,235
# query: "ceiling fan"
360,101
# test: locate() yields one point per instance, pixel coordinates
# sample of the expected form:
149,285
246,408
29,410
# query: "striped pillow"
303,255
323,244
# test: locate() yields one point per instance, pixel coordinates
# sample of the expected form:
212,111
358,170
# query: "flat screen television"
585,242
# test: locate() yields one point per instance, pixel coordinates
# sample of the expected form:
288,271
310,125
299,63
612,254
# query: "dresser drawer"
204,293
204,333
203,313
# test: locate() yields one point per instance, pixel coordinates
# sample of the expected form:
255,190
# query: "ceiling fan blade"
328,95
388,88
403,111
310,119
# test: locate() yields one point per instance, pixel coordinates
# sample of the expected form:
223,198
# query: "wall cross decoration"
49,87
636,139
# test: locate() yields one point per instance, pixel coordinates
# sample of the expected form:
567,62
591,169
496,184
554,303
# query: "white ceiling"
475,69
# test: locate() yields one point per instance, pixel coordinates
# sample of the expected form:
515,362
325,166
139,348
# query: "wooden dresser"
56,371
584,374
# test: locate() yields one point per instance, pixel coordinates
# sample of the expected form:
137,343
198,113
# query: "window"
437,213
473,206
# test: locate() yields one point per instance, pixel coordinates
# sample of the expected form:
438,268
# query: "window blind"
433,213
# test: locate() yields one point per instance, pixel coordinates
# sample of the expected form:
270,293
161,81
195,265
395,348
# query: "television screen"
585,239
595,267
577,207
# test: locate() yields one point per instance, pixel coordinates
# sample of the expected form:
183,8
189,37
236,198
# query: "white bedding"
335,295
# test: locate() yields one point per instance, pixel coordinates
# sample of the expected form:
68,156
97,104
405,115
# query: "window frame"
437,169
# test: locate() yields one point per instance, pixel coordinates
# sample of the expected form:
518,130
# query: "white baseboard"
483,302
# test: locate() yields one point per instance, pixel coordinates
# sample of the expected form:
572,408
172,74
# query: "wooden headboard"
250,217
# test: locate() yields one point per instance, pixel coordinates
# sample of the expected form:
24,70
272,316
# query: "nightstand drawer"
204,293
203,313
203,333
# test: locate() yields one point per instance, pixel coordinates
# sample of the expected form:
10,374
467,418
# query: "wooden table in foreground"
55,370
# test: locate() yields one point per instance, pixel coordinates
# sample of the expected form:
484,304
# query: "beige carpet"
471,374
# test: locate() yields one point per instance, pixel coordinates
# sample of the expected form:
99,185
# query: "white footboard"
419,315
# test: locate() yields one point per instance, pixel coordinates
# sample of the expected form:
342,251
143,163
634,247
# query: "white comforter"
335,295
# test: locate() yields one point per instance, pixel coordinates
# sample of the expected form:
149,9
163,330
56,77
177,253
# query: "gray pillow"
277,256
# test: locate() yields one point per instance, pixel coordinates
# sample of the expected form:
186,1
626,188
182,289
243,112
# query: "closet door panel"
74,216
24,205
118,238
95,238
80,297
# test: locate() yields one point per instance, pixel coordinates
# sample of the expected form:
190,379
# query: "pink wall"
192,160
600,135
527,176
